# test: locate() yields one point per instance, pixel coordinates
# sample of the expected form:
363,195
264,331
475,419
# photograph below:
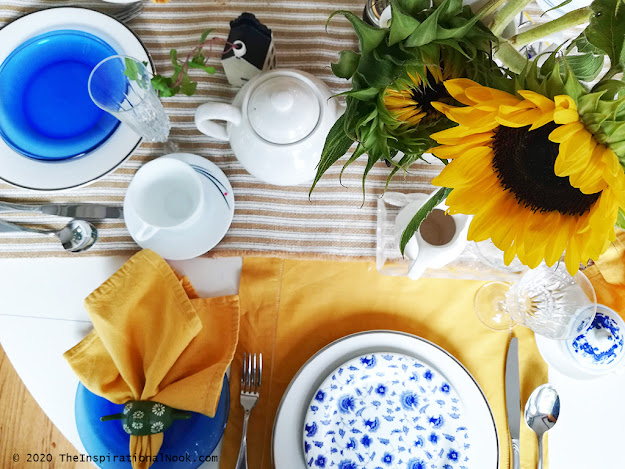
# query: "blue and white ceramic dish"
185,444
601,346
597,351
386,410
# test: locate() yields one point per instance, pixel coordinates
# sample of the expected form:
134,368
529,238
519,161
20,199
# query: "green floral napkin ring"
142,418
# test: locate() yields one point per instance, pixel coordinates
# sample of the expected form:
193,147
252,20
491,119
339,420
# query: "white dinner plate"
210,227
287,450
29,173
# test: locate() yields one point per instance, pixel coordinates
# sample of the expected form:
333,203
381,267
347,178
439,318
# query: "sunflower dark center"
425,95
524,162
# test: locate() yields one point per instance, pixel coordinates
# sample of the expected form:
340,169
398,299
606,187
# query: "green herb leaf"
205,35
173,54
187,86
347,64
206,68
198,58
336,145
421,214
131,71
368,36
607,29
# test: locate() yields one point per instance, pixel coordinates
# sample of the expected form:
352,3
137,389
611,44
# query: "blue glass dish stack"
46,112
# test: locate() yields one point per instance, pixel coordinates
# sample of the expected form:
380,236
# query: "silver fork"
250,389
129,12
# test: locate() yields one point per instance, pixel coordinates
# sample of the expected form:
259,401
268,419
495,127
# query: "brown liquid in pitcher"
437,228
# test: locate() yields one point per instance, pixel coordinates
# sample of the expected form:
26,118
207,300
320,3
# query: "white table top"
41,303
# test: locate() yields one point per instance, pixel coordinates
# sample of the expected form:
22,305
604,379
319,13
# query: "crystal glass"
547,300
122,87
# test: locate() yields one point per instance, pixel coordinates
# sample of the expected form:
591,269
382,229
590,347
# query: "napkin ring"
142,418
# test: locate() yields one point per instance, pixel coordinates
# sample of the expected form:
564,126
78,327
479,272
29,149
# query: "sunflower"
537,181
412,105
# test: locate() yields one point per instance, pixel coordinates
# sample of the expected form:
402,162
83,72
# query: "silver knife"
513,399
83,211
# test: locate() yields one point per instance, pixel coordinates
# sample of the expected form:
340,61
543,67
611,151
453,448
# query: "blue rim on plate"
45,109
186,441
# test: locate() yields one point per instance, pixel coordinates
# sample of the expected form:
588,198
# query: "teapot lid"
283,110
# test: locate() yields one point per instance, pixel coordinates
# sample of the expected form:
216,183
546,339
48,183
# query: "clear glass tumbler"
122,87
547,300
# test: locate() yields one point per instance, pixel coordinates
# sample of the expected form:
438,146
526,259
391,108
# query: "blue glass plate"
45,108
189,441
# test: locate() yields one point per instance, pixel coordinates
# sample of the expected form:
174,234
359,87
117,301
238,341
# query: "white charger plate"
211,226
287,451
29,173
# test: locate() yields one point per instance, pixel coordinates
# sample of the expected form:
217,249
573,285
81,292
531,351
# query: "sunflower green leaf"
402,25
347,64
607,29
337,144
421,214
370,37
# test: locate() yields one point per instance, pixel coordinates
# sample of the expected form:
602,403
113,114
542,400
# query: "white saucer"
211,226
287,450
28,173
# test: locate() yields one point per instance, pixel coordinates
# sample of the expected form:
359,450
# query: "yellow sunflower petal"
564,132
453,151
566,110
490,97
574,154
542,102
457,89
522,118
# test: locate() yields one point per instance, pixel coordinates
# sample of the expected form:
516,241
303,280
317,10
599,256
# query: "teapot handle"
207,114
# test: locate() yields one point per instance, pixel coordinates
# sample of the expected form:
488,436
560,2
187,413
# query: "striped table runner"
272,220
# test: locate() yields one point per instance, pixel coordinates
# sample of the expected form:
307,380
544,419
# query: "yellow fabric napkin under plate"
290,309
155,339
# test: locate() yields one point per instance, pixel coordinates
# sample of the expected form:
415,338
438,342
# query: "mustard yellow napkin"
155,339
290,309
608,275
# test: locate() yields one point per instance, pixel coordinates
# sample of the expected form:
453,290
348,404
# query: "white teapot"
276,125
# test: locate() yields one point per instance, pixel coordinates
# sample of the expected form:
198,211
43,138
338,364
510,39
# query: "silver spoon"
76,236
541,414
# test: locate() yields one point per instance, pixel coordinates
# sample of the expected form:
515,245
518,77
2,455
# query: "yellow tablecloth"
290,309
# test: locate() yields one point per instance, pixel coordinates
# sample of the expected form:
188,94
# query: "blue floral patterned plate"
386,410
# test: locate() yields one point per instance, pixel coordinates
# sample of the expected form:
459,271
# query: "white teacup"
164,195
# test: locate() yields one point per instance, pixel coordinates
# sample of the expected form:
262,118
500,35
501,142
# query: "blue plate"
46,112
187,443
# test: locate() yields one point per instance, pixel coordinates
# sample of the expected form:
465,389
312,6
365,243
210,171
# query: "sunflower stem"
511,57
506,14
489,8
570,20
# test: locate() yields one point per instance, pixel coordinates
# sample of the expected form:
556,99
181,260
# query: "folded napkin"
155,339
290,309
608,275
